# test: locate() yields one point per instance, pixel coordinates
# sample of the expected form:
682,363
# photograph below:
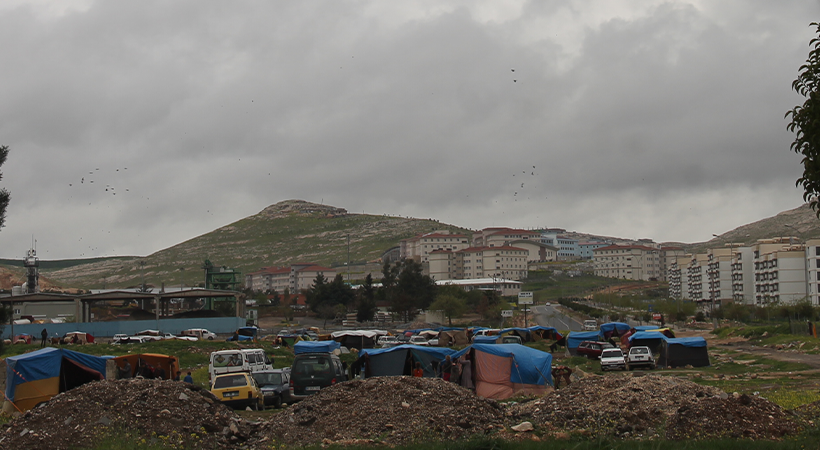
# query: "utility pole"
348,258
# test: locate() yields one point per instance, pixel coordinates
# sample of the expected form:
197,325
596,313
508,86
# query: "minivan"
313,371
239,360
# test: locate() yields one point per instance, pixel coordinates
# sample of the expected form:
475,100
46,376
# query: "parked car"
640,357
593,349
313,371
511,340
418,340
590,325
238,390
613,359
275,385
200,333
387,341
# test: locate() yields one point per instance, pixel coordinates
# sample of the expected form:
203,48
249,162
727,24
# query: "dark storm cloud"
640,120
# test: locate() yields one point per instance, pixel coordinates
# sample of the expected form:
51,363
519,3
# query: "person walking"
43,337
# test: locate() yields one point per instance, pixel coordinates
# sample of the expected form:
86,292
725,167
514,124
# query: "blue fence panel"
218,325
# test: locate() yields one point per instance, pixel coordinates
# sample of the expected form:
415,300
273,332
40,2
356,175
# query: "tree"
805,123
5,196
450,305
366,306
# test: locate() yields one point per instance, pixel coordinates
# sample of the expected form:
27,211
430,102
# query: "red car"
593,349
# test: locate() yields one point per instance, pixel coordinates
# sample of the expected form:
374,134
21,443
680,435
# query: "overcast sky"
136,125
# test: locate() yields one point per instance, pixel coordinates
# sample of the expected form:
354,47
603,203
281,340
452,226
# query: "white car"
200,333
612,359
418,340
640,357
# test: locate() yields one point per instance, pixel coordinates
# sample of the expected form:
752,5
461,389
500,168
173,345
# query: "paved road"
550,316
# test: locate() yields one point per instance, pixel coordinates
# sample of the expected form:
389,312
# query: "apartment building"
294,278
494,237
696,274
586,248
419,247
813,270
780,271
628,262
678,277
479,262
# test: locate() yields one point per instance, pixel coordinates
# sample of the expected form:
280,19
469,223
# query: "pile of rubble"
736,416
392,410
622,406
172,412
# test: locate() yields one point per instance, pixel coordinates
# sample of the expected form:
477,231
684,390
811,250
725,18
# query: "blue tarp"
646,327
692,342
530,366
576,337
485,339
315,347
608,328
644,335
392,361
45,363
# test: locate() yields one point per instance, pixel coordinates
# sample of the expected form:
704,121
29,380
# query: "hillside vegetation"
285,233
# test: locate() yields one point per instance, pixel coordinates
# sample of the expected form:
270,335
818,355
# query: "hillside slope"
285,233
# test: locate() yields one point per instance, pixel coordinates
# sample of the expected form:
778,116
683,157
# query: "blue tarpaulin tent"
655,341
35,377
689,351
401,359
576,337
315,347
503,370
608,329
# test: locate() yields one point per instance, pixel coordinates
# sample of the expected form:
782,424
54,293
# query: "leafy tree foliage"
366,305
337,292
451,305
407,288
5,313
805,123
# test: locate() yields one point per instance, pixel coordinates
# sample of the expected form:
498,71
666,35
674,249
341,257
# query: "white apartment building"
495,237
696,274
813,270
628,262
719,275
479,262
294,278
419,247
781,270
743,275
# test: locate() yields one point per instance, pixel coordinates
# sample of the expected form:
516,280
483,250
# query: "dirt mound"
738,416
392,410
616,406
168,411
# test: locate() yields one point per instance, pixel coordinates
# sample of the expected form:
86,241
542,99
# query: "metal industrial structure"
220,278
32,264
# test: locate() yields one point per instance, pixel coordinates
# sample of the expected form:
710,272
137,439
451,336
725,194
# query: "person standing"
43,337
418,372
188,378
466,372
446,367
455,372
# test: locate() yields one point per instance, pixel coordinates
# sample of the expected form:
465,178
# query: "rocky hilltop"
301,208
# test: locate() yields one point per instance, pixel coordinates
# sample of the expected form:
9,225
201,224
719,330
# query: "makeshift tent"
450,338
358,339
315,347
148,365
576,337
687,351
244,334
428,334
35,377
82,337
538,333
504,370
655,341
486,339
401,359
614,329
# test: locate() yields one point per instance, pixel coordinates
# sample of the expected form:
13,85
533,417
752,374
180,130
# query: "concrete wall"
219,325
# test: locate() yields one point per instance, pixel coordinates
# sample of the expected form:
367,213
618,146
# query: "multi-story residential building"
567,248
479,262
780,271
678,277
629,262
419,247
667,256
536,251
696,273
743,274
294,278
500,285
813,270
494,237
719,275
586,248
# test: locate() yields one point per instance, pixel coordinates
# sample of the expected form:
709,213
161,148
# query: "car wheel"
211,338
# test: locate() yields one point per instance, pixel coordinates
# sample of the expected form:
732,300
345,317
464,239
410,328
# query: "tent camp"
315,347
244,334
576,337
691,351
358,339
400,360
503,370
449,338
655,341
35,377
531,334
611,329
149,365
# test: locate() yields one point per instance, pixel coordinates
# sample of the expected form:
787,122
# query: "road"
550,316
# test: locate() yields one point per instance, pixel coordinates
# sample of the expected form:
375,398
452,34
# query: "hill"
285,233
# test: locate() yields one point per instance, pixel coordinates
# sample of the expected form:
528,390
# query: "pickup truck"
593,349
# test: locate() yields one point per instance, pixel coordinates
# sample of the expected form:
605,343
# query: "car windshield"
312,365
264,379
612,354
640,350
230,381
